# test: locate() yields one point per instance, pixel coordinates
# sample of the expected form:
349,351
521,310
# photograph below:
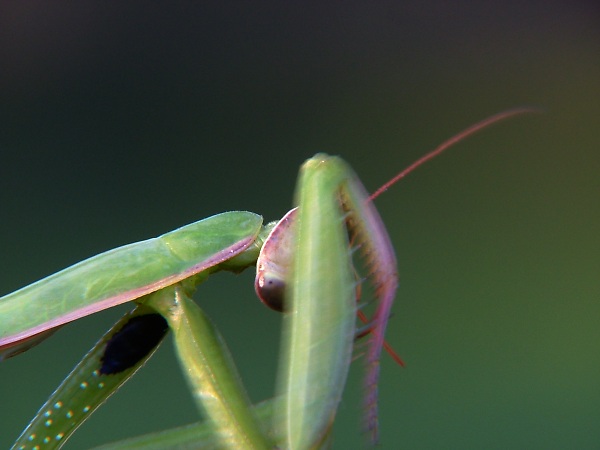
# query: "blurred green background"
123,121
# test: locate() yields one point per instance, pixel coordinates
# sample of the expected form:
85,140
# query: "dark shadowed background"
121,122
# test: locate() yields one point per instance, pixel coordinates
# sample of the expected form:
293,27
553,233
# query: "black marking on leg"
138,337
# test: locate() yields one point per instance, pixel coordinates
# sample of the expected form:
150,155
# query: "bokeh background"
119,122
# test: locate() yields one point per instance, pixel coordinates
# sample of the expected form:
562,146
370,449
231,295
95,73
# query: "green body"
160,274
125,273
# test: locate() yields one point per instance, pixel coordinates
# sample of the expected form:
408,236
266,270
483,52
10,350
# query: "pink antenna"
450,142
444,146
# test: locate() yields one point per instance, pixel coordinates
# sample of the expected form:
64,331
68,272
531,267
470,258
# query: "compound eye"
274,261
271,291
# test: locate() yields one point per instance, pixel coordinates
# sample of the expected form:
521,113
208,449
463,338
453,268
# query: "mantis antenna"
450,142
492,120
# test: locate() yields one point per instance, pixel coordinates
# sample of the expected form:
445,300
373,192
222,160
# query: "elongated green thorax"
124,274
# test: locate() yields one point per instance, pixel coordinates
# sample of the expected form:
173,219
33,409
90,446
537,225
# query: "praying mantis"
304,268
